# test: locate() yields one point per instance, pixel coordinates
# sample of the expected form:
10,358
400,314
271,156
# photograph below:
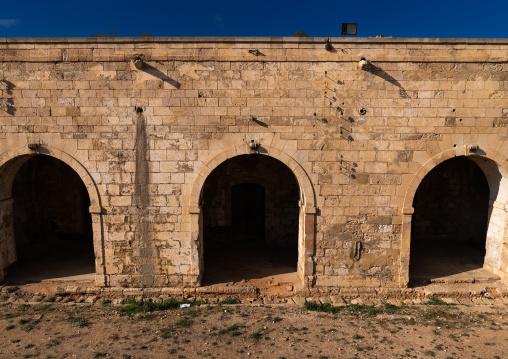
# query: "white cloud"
8,22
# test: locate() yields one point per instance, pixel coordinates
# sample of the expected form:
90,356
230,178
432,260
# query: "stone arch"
496,172
306,232
10,162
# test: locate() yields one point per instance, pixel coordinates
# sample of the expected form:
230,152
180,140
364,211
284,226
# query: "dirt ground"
148,330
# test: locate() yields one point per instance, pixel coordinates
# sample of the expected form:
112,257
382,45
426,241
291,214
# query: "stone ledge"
451,294
270,40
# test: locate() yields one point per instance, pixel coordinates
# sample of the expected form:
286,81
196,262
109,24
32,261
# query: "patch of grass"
50,300
167,333
132,306
79,321
184,323
390,308
10,327
32,325
150,316
436,301
53,343
229,300
352,309
232,330
256,335
44,308
100,355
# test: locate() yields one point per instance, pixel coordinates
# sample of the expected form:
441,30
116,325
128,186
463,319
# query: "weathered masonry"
155,161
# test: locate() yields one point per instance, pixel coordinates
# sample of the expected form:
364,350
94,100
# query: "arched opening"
251,217
450,223
51,223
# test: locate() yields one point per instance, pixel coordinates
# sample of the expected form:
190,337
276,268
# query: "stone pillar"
309,240
101,279
7,240
196,245
496,246
405,246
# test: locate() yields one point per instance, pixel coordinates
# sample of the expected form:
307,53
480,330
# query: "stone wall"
143,138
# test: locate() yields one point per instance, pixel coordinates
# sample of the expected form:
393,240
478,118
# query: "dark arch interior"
52,223
248,212
250,220
449,226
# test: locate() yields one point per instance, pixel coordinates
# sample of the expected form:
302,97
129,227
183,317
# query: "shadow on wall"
382,74
6,100
160,75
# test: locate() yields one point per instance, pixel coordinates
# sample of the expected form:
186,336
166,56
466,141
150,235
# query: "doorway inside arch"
250,222
52,223
449,224
248,212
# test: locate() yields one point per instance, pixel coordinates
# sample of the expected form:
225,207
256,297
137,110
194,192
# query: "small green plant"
79,321
256,335
31,325
435,301
184,322
229,300
10,327
50,300
300,34
328,46
52,343
100,355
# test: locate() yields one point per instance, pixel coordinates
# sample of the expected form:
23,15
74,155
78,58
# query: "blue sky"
423,18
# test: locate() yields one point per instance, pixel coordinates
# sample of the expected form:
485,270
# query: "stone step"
222,289
455,280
